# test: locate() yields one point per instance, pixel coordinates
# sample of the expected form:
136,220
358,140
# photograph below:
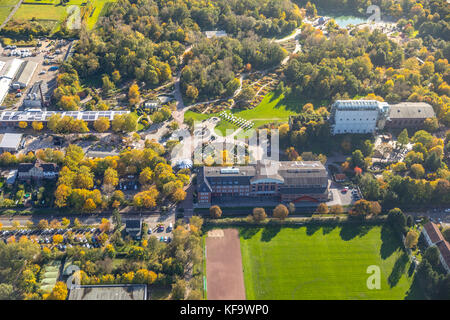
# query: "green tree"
403,139
397,219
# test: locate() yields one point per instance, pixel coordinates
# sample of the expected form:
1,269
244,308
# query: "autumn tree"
134,96
58,238
116,76
101,124
361,208
280,212
412,237
322,208
192,92
43,224
105,225
23,124
215,212
37,126
146,176
59,292
89,205
336,209
111,177
146,199
178,195
259,214
65,222
417,170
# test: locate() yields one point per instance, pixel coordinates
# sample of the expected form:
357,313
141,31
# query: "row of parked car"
46,232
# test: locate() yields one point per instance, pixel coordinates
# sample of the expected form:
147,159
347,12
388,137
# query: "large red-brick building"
284,181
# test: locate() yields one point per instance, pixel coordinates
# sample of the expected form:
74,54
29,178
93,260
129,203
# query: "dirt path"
224,272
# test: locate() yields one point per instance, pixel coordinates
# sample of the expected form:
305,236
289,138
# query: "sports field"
317,262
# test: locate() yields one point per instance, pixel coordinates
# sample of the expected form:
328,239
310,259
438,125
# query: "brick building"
285,181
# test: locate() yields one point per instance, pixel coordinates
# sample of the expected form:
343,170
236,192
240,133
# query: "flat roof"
11,140
26,73
12,68
109,292
40,115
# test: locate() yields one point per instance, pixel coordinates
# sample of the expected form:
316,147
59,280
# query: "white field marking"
216,233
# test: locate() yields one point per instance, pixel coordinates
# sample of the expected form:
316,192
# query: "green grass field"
316,262
51,10
272,109
6,7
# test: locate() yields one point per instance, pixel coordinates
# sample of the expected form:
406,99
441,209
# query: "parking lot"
50,54
160,227
343,195
84,236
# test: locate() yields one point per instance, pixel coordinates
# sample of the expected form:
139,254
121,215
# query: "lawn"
40,12
317,262
6,7
272,109
45,10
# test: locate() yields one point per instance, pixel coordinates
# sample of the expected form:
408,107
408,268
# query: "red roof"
444,248
433,232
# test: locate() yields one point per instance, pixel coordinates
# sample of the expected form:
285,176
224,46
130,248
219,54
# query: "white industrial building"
10,142
25,74
12,118
8,72
358,116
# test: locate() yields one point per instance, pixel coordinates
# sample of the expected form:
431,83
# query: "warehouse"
8,71
12,118
25,74
10,142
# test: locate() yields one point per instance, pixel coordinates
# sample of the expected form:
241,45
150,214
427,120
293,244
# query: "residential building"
37,171
409,115
10,142
358,116
434,237
285,181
